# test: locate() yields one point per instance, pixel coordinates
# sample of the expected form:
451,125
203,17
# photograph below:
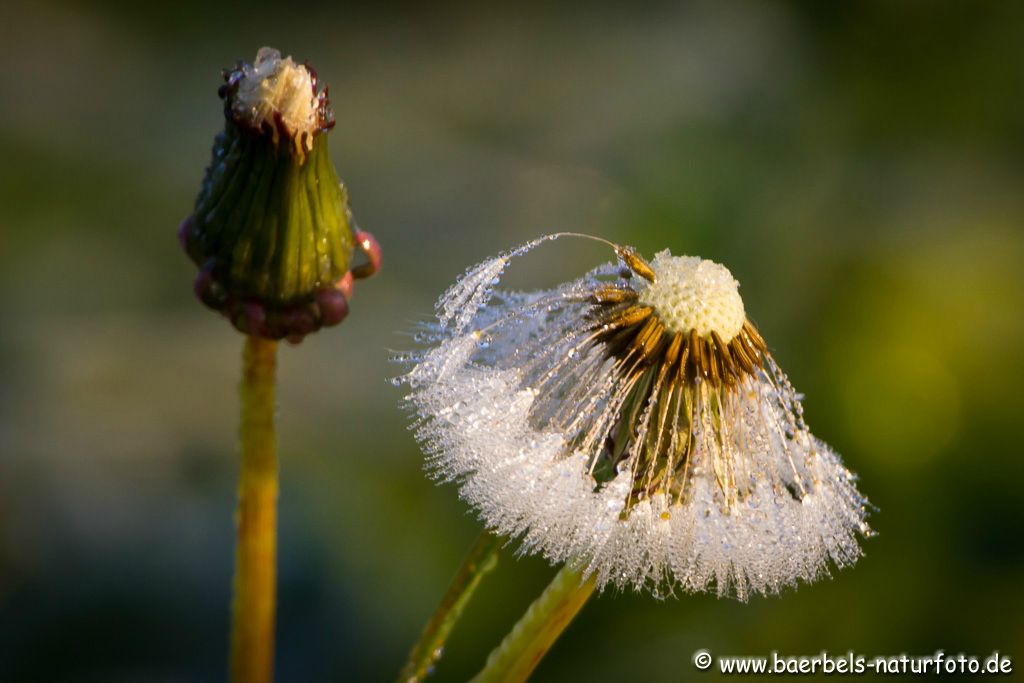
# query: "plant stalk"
529,640
254,600
480,561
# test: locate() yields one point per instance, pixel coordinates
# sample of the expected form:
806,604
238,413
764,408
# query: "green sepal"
272,221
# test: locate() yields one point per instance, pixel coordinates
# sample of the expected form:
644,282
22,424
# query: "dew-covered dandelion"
631,423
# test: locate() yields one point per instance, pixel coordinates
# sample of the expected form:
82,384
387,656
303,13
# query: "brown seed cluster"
634,333
671,378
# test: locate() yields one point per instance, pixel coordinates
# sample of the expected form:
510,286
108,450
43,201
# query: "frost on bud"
272,232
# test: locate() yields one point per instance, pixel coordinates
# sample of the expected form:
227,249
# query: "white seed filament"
272,85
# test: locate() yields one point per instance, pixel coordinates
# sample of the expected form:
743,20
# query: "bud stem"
530,639
479,562
253,604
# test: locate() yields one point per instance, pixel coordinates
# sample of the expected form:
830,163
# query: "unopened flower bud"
272,232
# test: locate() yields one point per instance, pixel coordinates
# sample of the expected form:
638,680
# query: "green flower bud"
272,231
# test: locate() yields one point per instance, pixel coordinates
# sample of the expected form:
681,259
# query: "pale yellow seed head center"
275,85
691,293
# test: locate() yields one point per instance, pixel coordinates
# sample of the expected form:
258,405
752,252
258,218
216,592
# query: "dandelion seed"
632,422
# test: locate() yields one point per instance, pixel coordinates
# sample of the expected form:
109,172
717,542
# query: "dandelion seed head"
635,427
273,85
691,293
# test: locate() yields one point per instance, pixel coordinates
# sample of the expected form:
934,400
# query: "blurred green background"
858,166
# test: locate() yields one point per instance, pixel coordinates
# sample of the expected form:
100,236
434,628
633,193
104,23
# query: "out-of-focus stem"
480,560
529,640
253,603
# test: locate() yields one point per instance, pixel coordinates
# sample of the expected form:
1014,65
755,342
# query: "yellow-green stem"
529,640
428,649
253,603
